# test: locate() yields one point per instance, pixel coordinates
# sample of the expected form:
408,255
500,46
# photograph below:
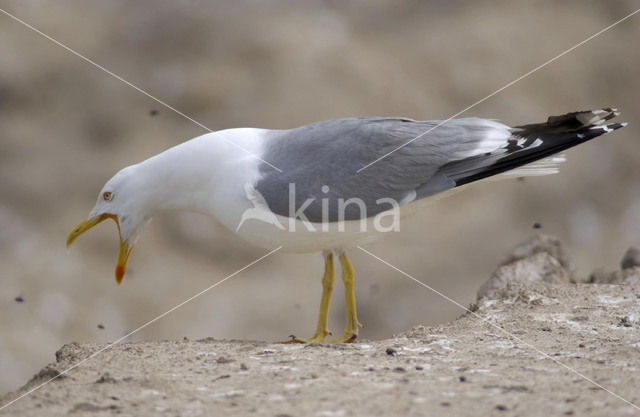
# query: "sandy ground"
534,344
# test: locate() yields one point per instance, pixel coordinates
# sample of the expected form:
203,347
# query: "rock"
631,276
539,267
628,276
69,353
47,374
540,258
631,258
602,275
540,243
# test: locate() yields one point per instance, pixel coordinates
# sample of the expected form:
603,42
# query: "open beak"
124,251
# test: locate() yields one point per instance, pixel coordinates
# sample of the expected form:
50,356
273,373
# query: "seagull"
331,185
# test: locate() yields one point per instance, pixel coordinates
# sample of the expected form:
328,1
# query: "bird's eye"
107,196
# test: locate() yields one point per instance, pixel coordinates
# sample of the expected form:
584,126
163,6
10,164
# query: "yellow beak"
124,251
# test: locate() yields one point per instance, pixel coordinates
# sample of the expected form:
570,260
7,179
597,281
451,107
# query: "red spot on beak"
119,273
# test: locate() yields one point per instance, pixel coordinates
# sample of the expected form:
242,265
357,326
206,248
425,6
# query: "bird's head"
123,199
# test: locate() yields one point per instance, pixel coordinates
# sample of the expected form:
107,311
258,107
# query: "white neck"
196,174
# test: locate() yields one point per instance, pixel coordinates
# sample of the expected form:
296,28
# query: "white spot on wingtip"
536,143
605,129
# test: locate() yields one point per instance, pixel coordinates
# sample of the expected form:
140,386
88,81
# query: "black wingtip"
584,118
533,142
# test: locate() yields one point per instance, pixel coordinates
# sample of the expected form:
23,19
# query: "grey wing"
319,163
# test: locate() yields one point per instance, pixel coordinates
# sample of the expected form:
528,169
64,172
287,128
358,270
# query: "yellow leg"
351,329
322,330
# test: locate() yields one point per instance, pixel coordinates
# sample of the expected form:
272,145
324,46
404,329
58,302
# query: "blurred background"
66,127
